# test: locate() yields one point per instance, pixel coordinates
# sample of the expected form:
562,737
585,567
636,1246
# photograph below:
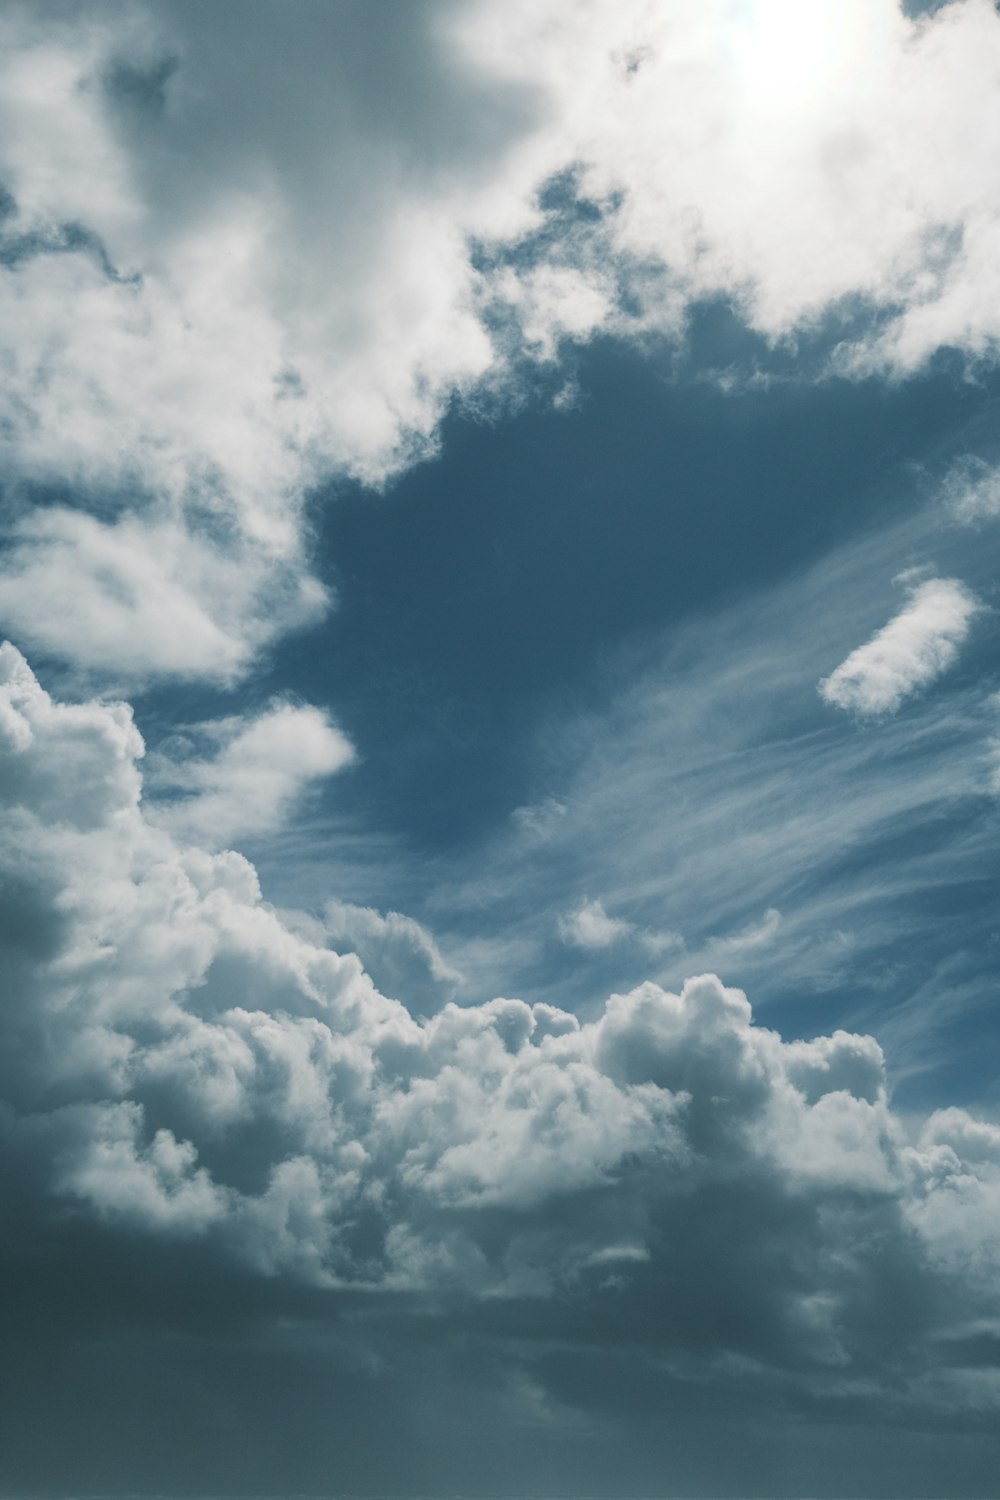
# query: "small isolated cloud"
253,779
972,489
590,927
914,648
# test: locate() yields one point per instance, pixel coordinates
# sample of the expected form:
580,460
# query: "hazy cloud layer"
183,1066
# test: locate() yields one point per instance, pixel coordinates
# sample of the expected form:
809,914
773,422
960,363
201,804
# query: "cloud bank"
185,1067
211,310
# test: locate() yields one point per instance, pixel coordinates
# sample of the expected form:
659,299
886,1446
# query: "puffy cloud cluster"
401,955
180,1064
915,647
209,308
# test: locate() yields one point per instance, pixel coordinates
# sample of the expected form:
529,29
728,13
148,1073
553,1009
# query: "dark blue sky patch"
491,582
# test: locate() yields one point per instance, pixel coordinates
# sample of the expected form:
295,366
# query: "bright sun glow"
788,49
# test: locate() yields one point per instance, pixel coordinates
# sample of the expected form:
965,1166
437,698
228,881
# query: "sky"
499,749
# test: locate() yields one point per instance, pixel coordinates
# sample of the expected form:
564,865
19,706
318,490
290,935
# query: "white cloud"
208,309
754,935
789,161
909,653
168,1018
972,489
589,926
148,596
255,776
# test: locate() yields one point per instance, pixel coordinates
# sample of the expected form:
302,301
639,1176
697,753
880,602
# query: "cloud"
972,489
200,323
401,955
591,927
209,311
255,776
764,799
185,1067
148,597
539,820
789,167
909,653
755,935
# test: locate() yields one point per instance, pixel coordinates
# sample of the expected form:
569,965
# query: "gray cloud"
182,1070
401,955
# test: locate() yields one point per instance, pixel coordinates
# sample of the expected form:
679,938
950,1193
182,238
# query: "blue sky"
500,748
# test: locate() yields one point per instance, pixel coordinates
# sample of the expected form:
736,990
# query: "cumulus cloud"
141,598
589,926
208,309
909,653
184,1066
400,954
255,776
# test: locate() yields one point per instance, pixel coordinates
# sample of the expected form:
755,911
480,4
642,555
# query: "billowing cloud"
915,647
209,309
401,955
183,1066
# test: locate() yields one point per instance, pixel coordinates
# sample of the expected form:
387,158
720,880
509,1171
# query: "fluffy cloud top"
182,1065
397,951
915,647
208,310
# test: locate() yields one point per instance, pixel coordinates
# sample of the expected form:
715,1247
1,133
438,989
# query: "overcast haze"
500,748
